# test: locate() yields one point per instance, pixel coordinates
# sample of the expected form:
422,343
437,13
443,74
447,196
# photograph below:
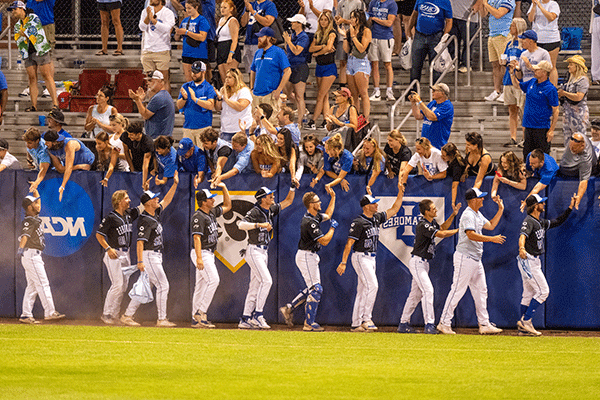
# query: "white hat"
298,18
156,75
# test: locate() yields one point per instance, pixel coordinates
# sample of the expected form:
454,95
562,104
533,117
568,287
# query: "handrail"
401,100
6,32
479,33
368,135
454,62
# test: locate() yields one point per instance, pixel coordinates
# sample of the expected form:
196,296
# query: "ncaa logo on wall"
397,234
231,238
68,224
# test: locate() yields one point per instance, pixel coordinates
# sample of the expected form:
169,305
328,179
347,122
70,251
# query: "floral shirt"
30,30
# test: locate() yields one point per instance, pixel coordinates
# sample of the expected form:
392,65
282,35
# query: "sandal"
101,53
30,109
118,53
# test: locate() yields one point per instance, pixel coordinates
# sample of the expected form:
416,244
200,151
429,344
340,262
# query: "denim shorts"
326,70
358,65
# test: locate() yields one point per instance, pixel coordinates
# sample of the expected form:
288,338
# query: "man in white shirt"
156,23
7,160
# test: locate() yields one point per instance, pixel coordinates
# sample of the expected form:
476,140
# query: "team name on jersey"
125,228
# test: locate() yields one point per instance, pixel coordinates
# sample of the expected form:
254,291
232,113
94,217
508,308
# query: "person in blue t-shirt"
437,116
159,114
297,52
542,166
432,21
261,13
382,14
194,31
165,160
337,163
270,72
197,100
540,113
45,10
191,159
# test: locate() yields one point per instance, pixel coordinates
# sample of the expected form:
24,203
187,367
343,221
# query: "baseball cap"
28,200
57,116
147,196
543,65
442,87
263,191
16,4
535,199
298,18
368,199
185,145
53,136
474,193
344,91
3,144
595,123
156,75
266,31
198,66
530,34
203,195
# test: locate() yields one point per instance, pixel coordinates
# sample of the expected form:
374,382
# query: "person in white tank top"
228,52
118,123
97,119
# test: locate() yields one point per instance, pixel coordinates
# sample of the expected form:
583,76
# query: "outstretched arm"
289,199
169,196
396,206
226,198
491,225
331,206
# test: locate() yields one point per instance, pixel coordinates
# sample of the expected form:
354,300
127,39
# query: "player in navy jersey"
307,259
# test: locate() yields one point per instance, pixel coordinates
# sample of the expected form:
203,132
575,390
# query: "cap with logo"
474,193
147,196
368,199
185,145
198,66
535,199
203,195
16,4
263,191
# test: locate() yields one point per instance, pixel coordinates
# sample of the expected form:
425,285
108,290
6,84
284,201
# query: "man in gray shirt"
531,56
579,159
468,269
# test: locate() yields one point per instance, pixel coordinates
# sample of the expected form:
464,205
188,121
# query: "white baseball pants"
535,287
308,264
153,266
37,284
119,282
366,288
260,279
468,273
421,291
207,281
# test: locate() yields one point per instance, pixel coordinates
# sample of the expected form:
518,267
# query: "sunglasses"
576,140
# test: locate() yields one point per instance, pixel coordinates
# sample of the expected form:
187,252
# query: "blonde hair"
377,156
268,146
120,119
397,135
579,73
335,142
423,142
239,84
322,34
117,197
521,26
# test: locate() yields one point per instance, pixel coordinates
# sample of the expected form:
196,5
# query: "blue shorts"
355,65
326,70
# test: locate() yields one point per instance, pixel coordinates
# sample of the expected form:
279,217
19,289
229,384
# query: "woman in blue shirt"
166,158
337,162
194,30
296,50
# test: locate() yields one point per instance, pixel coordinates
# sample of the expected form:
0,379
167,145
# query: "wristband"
232,52
140,262
292,188
419,102
108,248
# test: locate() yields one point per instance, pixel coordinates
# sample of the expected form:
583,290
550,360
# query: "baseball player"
531,247
31,246
421,289
259,223
468,269
114,235
149,253
307,259
363,238
205,232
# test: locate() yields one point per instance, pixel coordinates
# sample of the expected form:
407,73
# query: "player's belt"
35,251
366,253
211,250
125,249
154,251
260,246
309,251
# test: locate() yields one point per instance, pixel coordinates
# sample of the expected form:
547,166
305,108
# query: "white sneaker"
500,99
490,329
55,316
528,326
165,323
445,329
202,321
24,93
376,96
389,95
46,93
288,315
369,325
493,96
127,320
260,322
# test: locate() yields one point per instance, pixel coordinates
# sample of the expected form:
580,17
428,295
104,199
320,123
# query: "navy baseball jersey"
424,239
310,232
366,232
261,236
535,231
206,226
150,230
32,228
117,228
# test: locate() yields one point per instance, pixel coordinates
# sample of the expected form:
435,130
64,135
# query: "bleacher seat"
90,81
127,79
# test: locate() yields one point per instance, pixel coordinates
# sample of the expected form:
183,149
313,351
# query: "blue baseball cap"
185,145
474,193
198,66
147,196
16,4
266,31
203,195
530,34
263,191
368,199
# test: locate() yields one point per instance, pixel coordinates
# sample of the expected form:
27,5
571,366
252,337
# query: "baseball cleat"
245,324
405,328
369,325
260,322
288,315
108,320
127,320
490,329
314,327
203,321
28,320
527,326
445,329
430,329
165,323
359,328
55,316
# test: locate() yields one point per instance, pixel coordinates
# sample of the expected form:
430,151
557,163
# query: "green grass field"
84,362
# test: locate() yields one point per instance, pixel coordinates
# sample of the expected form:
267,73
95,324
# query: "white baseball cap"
298,18
156,75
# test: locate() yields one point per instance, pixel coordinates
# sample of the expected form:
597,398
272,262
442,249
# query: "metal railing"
478,33
367,136
7,32
401,100
454,63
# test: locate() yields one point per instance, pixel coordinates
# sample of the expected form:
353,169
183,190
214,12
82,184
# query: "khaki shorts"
496,47
50,31
193,134
156,61
513,96
382,49
269,99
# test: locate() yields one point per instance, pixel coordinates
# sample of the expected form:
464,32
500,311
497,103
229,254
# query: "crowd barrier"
79,280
